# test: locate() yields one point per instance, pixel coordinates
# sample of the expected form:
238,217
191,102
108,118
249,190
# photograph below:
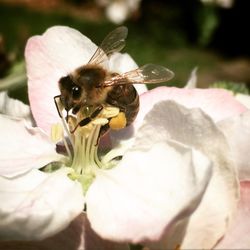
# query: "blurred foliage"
209,20
235,87
15,78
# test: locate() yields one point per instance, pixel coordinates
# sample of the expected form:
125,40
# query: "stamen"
57,135
93,150
65,126
56,132
78,160
88,148
60,109
85,162
67,148
110,156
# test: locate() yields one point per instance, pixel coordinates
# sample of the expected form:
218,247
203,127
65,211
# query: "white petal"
195,129
61,48
219,104
244,99
59,51
192,81
147,192
38,205
237,132
23,148
192,127
237,236
13,107
122,63
141,88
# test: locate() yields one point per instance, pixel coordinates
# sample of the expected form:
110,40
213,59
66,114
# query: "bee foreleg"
76,109
96,112
55,100
88,119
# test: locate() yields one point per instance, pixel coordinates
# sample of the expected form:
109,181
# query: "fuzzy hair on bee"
92,86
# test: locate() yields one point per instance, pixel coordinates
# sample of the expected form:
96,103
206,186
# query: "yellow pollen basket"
118,122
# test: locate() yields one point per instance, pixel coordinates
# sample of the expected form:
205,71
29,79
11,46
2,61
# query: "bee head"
70,92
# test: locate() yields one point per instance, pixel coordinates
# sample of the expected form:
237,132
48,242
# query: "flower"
179,152
244,99
220,3
118,11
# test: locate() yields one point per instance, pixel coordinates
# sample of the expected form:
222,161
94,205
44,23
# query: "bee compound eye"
76,92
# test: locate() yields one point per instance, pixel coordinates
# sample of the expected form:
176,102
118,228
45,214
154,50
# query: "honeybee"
91,85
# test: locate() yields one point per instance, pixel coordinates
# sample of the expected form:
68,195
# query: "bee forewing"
99,57
149,73
113,42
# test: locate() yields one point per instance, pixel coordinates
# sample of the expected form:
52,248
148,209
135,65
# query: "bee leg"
97,111
88,119
104,129
76,109
55,100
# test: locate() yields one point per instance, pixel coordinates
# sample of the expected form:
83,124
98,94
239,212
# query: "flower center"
82,145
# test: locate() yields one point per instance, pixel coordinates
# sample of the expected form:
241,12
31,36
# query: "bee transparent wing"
147,74
113,42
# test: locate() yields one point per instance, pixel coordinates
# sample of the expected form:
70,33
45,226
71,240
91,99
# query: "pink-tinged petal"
37,205
237,132
147,192
244,99
192,81
13,107
238,235
77,236
168,120
59,51
23,148
122,63
217,103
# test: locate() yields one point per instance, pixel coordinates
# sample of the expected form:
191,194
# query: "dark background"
179,34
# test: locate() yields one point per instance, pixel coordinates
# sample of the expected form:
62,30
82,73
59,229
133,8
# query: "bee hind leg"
103,131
